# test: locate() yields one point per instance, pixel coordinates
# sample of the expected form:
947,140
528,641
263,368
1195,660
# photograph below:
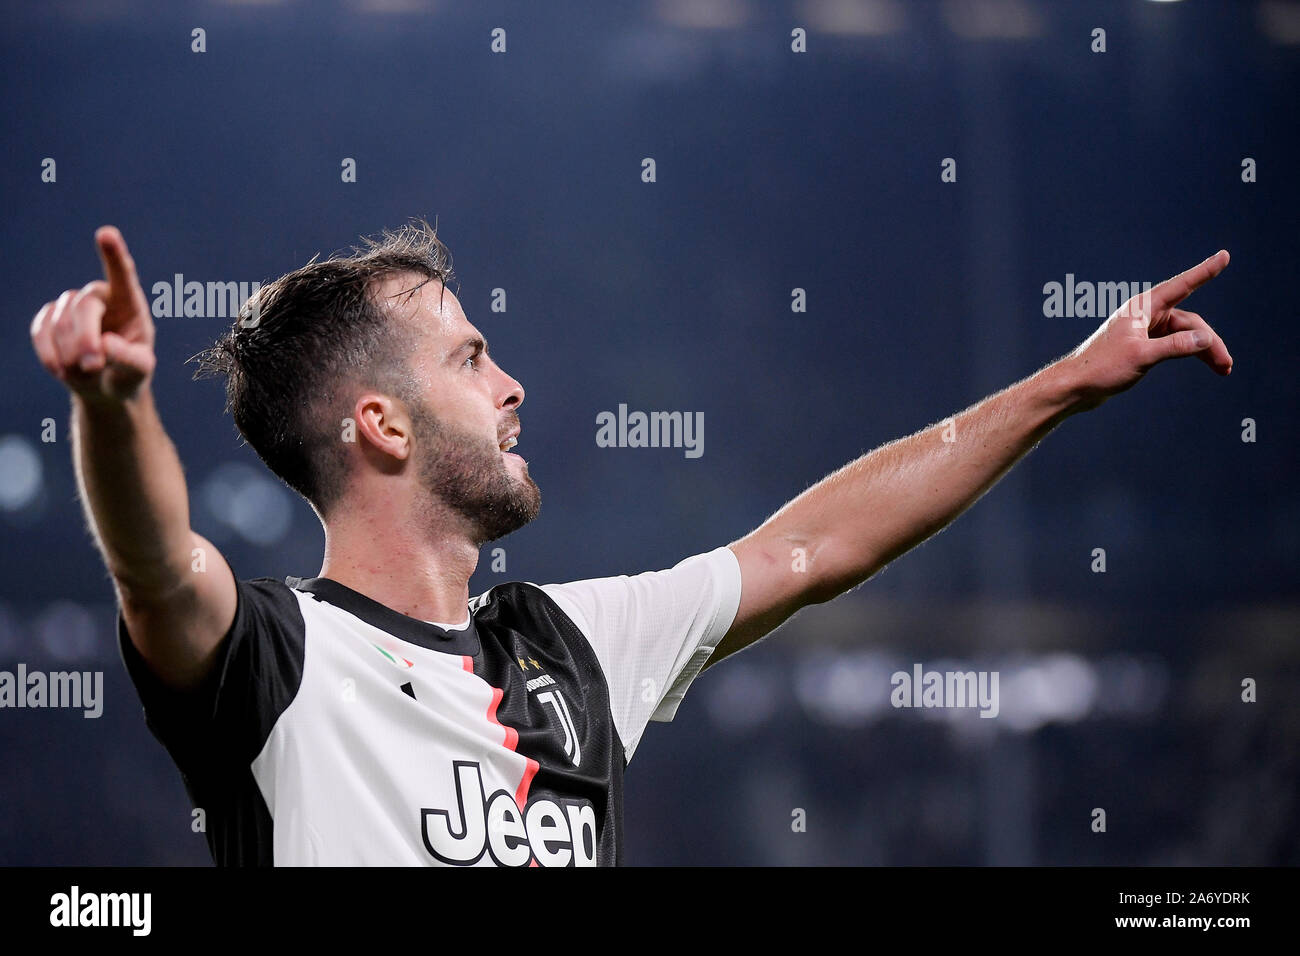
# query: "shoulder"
269,600
534,613
520,599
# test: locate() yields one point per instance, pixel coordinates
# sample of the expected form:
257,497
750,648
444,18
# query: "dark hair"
304,344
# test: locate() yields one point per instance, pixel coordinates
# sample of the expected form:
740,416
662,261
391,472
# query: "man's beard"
469,475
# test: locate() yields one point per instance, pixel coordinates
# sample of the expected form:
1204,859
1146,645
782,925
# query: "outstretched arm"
852,523
98,341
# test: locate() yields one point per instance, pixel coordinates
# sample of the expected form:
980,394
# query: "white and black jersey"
334,730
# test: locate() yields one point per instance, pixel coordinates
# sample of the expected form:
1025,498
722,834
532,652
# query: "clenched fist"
99,340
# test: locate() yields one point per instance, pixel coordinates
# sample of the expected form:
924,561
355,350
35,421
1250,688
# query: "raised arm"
99,342
848,526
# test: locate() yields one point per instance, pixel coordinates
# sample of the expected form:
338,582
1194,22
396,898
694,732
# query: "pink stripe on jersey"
510,743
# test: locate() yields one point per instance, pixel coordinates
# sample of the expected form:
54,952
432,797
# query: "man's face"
469,409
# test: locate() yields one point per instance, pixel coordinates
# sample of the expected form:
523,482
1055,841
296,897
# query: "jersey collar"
413,630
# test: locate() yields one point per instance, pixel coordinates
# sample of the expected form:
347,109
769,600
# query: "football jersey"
334,730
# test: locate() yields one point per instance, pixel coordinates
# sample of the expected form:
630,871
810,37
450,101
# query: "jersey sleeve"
224,722
653,632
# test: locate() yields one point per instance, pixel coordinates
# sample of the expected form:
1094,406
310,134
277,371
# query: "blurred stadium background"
775,170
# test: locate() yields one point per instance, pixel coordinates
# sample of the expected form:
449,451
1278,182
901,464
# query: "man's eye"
470,361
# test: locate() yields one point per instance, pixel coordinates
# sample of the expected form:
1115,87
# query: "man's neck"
402,568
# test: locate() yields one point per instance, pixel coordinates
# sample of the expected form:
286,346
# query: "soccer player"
375,713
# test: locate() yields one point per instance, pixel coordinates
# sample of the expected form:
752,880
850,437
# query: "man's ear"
382,427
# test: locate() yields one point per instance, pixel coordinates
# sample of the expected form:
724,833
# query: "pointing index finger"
1172,291
119,267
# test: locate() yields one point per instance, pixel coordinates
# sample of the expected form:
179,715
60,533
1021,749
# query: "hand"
99,340
1146,330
